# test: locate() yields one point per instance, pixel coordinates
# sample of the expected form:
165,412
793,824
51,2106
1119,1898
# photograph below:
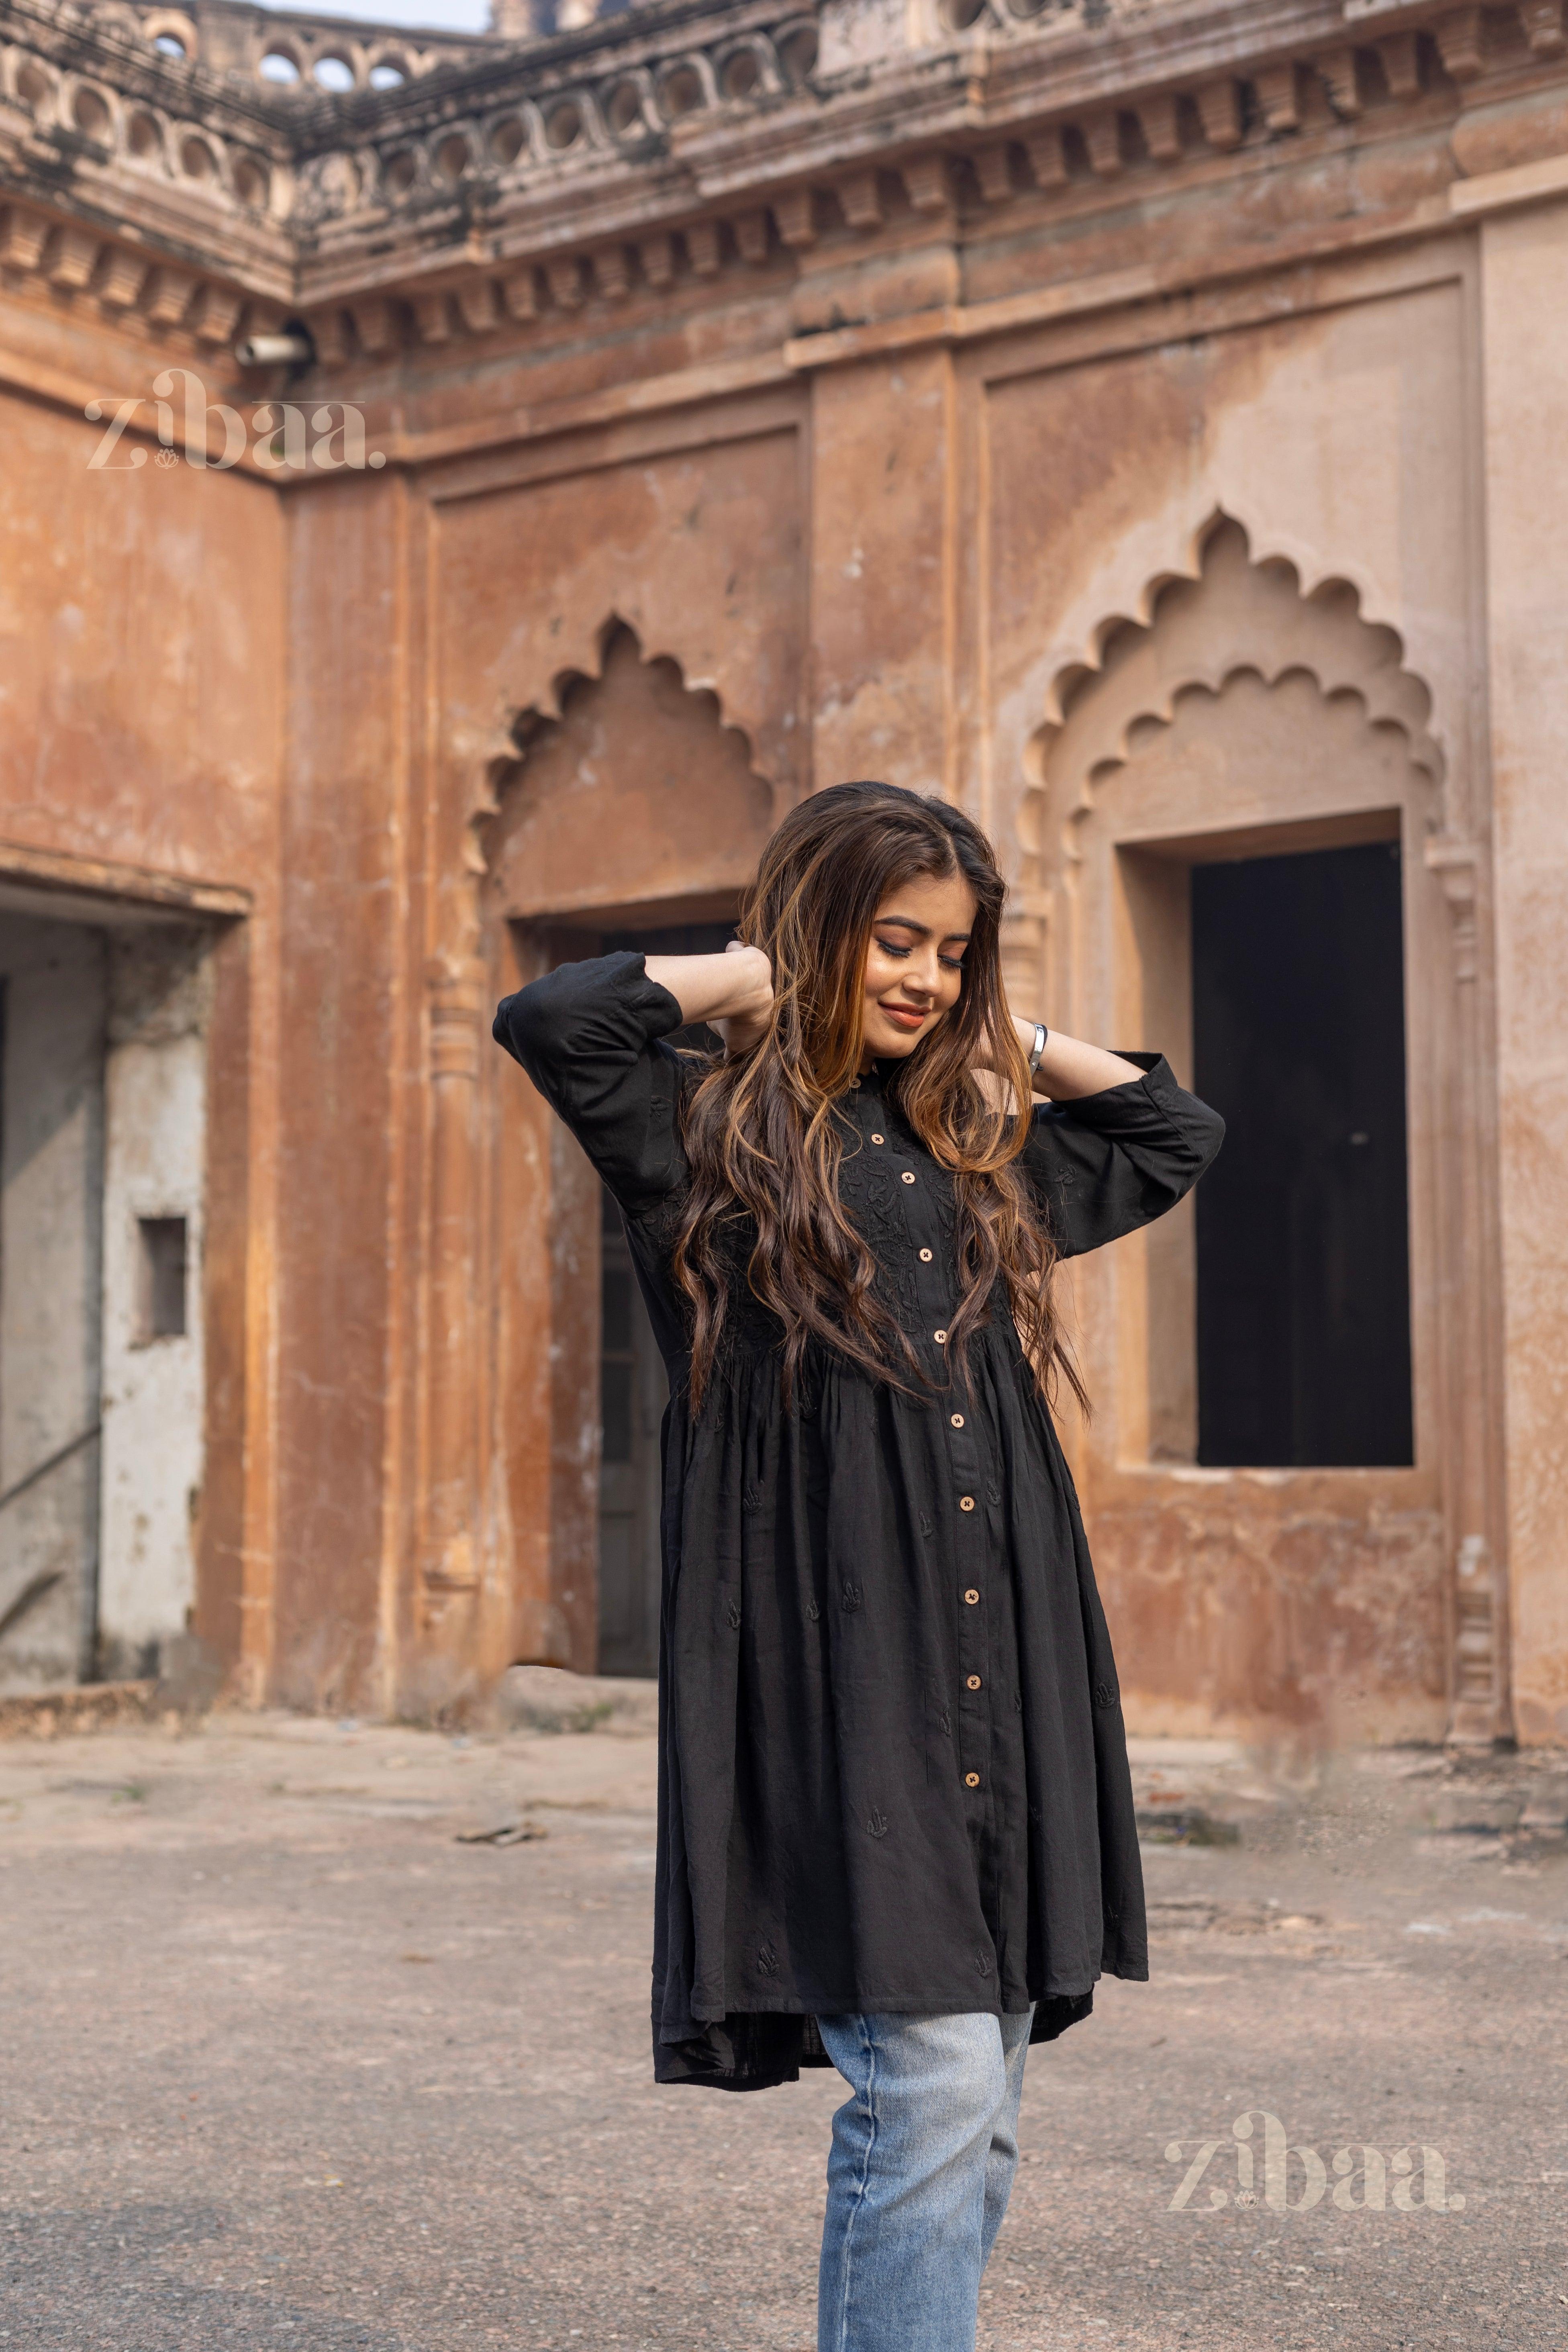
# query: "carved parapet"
295,56
441,188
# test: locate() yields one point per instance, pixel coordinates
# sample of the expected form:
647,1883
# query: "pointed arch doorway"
632,820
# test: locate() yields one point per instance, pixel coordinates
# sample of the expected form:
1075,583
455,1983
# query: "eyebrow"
908,923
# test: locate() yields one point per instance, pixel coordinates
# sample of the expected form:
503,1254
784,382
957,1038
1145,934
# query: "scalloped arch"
1203,625
502,765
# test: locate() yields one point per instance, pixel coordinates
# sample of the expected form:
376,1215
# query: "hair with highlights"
761,1136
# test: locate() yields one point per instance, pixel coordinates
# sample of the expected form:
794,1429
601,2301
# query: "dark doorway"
633,1390
1302,1224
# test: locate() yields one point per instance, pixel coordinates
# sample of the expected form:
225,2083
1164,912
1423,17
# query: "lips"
903,1018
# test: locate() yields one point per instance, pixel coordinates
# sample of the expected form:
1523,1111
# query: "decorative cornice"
505,183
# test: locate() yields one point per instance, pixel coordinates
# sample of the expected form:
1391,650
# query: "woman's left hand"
733,992
743,1028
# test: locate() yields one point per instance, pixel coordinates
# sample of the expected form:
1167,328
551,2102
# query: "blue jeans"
922,2160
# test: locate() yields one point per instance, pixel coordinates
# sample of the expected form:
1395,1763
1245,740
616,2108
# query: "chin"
897,1045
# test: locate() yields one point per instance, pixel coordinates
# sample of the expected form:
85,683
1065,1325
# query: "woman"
896,1823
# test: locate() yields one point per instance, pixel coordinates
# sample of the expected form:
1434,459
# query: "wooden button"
925,1257
974,1682
971,1779
909,1175
958,1421
878,1138
941,1338
966,1502
972,1596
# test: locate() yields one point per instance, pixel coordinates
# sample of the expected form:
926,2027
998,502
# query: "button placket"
972,1568
969,1521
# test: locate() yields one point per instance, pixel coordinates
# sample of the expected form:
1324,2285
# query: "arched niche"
636,795
1244,718
1156,729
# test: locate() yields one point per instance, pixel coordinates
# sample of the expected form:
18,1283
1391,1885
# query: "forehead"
942,904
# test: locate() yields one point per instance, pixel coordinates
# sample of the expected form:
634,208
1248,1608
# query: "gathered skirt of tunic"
892,1767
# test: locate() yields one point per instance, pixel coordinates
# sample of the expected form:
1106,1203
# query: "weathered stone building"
1143,420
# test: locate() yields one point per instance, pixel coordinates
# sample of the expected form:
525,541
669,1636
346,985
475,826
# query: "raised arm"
590,1036
732,991
1069,1070
1118,1145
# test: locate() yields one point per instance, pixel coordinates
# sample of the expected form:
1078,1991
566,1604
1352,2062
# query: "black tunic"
892,1767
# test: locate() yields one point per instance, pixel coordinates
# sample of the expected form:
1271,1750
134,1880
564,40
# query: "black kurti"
893,1772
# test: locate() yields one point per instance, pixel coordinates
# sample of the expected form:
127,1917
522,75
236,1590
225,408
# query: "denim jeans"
922,2160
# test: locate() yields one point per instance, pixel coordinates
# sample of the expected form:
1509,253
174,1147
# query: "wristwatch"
1037,1050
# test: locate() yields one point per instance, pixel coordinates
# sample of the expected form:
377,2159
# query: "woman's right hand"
733,991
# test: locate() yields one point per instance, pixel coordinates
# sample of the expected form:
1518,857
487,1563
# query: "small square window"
161,1279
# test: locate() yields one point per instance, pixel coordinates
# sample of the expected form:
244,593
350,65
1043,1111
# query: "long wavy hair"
761,1138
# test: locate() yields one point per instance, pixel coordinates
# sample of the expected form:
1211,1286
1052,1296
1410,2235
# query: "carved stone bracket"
1454,863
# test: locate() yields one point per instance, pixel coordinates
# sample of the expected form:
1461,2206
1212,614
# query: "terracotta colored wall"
344,951
142,709
649,792
141,656
910,562
1525,282
1316,1601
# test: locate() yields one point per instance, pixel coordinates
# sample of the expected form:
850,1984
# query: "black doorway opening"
1303,1277
633,1389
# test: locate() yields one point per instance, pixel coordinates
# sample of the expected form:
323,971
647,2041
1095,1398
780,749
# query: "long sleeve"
1110,1162
589,1035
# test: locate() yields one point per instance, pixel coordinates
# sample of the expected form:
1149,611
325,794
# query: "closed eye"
892,948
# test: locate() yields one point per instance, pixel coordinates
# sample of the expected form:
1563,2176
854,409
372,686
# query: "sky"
427,16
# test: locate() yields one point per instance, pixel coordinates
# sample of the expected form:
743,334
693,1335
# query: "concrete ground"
290,2068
